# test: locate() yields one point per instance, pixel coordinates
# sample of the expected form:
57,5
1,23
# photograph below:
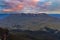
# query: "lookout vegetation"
46,34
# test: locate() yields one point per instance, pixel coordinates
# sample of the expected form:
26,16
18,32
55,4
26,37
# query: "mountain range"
30,21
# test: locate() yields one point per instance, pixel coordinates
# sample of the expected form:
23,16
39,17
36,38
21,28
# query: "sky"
30,6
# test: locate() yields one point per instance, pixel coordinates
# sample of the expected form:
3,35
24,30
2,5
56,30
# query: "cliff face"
30,21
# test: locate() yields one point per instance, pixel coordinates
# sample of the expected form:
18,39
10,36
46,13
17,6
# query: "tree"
4,33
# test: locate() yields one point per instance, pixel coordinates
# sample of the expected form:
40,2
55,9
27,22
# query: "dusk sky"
30,6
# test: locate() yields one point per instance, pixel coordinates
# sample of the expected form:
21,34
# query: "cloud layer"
28,6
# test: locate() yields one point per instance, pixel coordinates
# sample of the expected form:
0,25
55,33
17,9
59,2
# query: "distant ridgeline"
30,14
55,15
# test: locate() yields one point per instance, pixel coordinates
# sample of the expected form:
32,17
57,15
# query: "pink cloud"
18,5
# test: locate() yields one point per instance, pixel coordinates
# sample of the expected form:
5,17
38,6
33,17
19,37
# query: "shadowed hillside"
30,21
30,27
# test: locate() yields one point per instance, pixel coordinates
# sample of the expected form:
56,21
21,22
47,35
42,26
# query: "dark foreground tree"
4,33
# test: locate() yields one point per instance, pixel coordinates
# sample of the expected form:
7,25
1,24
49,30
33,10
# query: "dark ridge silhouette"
44,34
47,34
